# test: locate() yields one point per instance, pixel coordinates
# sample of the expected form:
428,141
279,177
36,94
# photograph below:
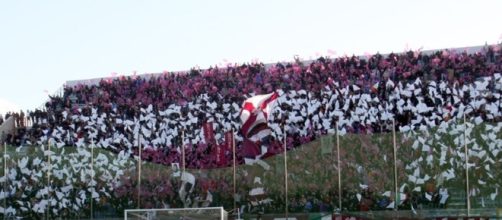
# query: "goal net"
176,214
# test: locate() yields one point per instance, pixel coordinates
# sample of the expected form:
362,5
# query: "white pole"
238,214
50,165
139,171
339,169
48,176
92,179
467,170
285,171
234,171
397,195
5,177
183,150
183,156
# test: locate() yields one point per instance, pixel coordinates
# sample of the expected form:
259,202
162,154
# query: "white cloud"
6,106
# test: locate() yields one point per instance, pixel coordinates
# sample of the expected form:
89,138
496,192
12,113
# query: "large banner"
208,130
229,140
219,154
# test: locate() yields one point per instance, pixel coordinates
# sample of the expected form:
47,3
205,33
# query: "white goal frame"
223,213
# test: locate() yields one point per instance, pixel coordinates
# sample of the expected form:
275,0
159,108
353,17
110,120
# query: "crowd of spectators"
20,119
20,125
361,95
377,75
232,83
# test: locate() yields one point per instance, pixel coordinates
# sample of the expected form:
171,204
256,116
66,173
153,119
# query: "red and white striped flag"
254,115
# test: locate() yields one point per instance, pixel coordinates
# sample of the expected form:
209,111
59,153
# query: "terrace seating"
419,91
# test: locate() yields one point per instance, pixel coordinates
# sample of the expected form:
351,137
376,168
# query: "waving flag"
254,115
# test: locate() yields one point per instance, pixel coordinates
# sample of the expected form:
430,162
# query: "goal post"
205,213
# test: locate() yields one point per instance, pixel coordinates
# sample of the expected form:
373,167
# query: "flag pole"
183,157
5,176
467,169
285,171
92,179
339,168
183,150
50,165
234,169
139,171
48,175
397,196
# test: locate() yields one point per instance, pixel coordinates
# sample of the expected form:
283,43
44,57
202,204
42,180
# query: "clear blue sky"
45,43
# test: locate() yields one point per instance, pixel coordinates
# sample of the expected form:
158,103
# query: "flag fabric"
221,159
255,113
208,130
374,88
229,141
176,169
250,149
188,177
223,148
217,151
254,116
217,155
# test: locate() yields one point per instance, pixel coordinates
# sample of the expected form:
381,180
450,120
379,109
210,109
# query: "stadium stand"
420,91
354,95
